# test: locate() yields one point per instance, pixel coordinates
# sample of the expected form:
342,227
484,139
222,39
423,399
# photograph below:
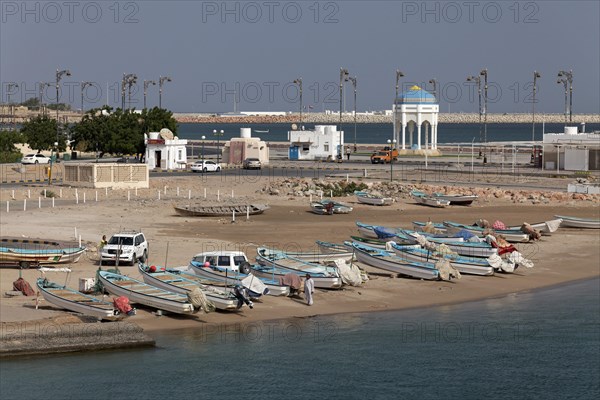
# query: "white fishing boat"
143,293
546,227
178,281
430,201
512,236
457,199
329,207
72,300
574,222
374,200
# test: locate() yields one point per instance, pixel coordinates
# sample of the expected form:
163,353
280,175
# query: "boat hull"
219,211
472,267
573,222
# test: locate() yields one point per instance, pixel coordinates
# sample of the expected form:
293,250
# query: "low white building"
164,151
236,150
571,150
324,143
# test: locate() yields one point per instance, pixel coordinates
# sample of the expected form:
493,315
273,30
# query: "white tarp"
256,285
350,273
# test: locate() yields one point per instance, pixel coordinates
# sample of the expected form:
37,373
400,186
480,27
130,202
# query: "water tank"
153,135
245,132
329,129
570,130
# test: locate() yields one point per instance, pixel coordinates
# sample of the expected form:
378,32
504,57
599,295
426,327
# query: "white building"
324,143
571,150
163,151
236,150
416,108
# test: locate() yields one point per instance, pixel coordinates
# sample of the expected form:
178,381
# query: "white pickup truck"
125,248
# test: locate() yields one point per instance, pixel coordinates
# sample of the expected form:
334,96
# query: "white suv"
126,247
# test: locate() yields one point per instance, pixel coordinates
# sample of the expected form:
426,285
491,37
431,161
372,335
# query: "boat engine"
241,294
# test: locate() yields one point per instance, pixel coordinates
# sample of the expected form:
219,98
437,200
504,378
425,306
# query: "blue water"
380,133
537,345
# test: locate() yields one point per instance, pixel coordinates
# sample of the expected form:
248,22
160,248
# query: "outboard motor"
241,295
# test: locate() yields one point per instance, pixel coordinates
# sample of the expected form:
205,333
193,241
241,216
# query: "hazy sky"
258,48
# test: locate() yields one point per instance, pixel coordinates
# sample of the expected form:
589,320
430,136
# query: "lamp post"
59,75
566,84
535,76
568,77
354,82
484,73
392,146
399,74
203,139
434,83
477,80
161,81
128,80
344,76
299,83
146,84
218,134
9,89
83,86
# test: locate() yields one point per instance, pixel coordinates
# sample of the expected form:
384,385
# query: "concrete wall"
112,175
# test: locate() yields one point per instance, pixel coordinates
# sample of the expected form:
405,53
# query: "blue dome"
416,95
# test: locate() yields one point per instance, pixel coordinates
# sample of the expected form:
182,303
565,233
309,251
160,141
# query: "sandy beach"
568,255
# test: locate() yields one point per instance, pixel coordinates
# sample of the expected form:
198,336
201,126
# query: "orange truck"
384,156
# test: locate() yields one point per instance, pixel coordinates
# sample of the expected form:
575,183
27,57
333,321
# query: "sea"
380,133
542,344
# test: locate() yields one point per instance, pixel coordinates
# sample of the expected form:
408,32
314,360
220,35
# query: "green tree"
32,102
8,151
40,133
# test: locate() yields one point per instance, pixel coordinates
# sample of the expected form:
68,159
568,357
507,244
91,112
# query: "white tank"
570,130
153,135
329,129
245,132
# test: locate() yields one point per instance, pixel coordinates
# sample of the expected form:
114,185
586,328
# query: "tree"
40,134
156,119
32,102
8,151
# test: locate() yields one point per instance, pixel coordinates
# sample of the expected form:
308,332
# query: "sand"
568,255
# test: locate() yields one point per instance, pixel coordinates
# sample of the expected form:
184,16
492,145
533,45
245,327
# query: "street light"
10,87
535,76
392,143
59,75
218,134
299,83
203,139
434,83
83,86
344,77
484,73
477,80
568,76
354,81
161,80
146,84
128,80
399,74
566,84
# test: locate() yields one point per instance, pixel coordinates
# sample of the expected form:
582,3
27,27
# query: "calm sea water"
380,133
543,344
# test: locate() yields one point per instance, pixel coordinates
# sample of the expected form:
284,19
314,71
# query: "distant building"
325,142
571,150
236,150
164,151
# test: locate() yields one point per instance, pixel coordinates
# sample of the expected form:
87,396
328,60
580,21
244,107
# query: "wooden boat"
457,199
513,236
178,281
466,265
367,198
220,210
33,252
143,293
573,222
546,227
386,261
72,300
324,276
430,201
329,207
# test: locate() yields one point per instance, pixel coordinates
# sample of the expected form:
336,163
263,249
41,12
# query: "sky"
256,49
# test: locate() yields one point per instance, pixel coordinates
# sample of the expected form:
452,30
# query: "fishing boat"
458,245
574,222
513,236
437,226
329,207
233,268
457,199
324,276
546,227
72,300
386,261
32,252
179,281
431,201
376,243
220,210
466,265
143,293
374,200
260,131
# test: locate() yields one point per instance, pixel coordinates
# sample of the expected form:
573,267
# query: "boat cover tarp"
383,233
514,260
499,225
21,285
292,280
531,231
350,273
198,299
254,284
465,234
122,304
446,270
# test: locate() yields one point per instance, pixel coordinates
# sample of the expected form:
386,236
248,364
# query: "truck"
384,156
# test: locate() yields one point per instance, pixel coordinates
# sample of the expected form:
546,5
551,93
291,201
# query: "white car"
205,166
35,159
126,248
